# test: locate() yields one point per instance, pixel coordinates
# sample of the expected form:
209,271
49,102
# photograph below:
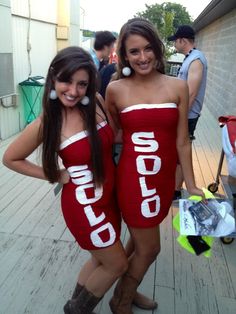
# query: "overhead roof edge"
214,10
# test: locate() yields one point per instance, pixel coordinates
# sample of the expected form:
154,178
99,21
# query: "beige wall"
218,42
63,23
32,31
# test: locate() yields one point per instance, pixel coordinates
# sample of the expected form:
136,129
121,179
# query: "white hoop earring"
53,94
84,101
126,71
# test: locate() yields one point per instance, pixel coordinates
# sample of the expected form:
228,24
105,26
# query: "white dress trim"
79,136
149,106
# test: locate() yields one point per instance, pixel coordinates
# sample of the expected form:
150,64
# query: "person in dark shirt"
105,75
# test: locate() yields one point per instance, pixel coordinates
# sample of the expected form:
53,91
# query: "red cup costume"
90,213
146,169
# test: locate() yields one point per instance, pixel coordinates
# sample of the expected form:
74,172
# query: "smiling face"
71,92
139,54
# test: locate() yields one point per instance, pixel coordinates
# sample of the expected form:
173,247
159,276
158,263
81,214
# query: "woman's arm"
15,157
183,143
110,103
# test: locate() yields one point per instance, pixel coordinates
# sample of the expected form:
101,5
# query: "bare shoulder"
177,83
115,86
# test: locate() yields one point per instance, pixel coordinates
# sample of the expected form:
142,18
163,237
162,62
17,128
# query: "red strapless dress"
90,213
146,169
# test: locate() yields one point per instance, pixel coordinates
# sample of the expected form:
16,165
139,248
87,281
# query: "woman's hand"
196,191
64,176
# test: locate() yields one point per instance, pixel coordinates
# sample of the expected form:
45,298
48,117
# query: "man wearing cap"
194,71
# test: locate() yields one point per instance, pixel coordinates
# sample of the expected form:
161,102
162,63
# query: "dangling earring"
126,71
53,94
84,101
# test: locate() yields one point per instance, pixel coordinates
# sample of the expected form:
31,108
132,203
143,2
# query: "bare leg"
84,274
147,247
129,248
112,264
140,300
87,270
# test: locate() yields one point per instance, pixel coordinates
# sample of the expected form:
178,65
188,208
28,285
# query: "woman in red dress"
151,110
73,126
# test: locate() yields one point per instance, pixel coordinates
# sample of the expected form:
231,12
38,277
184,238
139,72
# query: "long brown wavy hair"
144,28
63,66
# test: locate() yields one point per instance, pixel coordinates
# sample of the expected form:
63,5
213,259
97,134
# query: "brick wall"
218,42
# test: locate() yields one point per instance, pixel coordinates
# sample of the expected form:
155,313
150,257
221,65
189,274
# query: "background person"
102,48
153,124
194,71
73,126
106,75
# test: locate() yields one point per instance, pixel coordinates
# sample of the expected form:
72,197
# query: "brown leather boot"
143,302
83,304
121,302
76,292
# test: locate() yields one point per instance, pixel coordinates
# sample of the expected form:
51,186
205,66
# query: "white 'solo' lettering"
145,143
83,178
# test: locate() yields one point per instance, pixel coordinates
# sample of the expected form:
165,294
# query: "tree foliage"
88,33
166,17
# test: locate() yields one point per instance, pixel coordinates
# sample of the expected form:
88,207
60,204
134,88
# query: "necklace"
185,59
188,53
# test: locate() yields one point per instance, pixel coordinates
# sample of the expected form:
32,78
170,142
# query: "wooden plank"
39,275
67,236
57,227
41,217
166,300
221,276
226,305
37,221
7,177
12,188
40,260
230,257
10,206
12,249
208,160
193,284
22,205
164,263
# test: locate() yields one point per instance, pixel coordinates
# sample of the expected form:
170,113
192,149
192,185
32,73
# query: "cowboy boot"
121,302
77,290
143,302
83,304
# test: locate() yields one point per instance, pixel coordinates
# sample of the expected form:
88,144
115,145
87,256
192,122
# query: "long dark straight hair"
62,67
144,28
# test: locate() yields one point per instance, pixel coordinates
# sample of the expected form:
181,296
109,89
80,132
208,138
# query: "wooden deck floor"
39,259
